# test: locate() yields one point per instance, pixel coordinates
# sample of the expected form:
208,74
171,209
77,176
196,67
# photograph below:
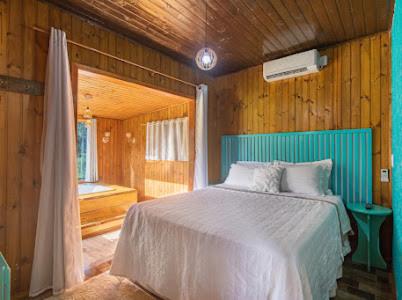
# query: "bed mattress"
227,243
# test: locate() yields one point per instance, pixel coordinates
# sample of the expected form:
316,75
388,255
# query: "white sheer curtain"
91,168
57,262
201,138
167,140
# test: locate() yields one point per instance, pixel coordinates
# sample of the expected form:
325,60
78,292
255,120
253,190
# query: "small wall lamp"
130,138
106,137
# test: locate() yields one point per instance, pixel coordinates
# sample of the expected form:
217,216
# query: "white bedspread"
223,243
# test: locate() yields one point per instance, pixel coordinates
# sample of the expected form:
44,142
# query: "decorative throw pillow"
302,179
326,165
267,179
240,176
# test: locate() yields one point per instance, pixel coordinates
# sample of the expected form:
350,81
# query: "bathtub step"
105,211
104,227
104,214
100,222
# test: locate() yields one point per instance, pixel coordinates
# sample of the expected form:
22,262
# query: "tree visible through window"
82,132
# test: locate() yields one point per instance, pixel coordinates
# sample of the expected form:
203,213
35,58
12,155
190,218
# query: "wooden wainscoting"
153,179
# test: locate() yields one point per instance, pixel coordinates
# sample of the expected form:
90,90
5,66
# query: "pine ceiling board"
285,14
358,20
242,32
312,20
369,7
302,22
112,98
283,25
335,20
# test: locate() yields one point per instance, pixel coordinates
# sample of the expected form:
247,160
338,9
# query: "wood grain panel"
23,54
153,179
3,130
243,33
113,98
110,154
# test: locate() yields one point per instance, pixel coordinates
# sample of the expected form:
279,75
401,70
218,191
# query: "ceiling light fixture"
87,116
206,58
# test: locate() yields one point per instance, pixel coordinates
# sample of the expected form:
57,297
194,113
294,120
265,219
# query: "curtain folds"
201,138
91,168
167,140
57,262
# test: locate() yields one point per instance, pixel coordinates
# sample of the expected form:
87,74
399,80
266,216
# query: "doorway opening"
134,143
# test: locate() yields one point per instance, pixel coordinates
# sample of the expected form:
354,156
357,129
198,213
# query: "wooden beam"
21,86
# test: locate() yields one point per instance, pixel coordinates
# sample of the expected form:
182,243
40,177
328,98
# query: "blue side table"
369,222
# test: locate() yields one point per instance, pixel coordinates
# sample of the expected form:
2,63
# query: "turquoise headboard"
350,151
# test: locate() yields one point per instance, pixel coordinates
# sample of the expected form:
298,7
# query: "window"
167,140
82,139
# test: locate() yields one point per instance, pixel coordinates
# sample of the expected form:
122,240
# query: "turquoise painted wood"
396,61
369,222
350,151
4,279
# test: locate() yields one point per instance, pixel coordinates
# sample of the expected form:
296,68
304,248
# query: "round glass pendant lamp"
206,59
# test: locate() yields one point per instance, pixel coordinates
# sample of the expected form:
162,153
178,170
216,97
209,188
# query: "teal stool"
369,222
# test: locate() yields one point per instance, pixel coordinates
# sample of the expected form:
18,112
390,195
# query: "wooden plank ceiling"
242,32
112,98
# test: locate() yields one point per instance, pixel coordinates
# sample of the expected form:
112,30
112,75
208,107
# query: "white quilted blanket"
223,243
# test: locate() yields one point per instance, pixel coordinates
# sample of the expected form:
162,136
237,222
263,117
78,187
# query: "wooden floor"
98,252
358,283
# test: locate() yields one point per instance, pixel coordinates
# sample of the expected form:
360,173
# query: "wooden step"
103,214
97,229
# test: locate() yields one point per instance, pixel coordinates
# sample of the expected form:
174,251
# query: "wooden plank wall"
353,91
23,54
110,154
154,179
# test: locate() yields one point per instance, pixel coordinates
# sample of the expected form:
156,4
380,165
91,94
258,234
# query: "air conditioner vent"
287,73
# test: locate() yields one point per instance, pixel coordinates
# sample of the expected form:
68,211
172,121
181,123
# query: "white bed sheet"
225,243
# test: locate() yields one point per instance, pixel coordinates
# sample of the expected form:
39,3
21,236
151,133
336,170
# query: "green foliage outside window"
81,150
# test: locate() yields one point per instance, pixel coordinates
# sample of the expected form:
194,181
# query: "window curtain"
167,140
57,262
201,138
91,168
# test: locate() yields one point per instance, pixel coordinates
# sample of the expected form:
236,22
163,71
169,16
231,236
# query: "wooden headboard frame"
350,151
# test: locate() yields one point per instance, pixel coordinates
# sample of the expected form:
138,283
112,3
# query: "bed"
226,242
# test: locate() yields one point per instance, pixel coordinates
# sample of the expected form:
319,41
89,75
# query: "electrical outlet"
384,175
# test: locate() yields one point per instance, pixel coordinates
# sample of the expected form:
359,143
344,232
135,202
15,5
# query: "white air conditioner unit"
294,65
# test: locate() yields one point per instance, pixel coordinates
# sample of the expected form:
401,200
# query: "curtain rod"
38,29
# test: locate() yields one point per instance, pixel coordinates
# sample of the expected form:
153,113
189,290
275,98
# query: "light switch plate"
384,175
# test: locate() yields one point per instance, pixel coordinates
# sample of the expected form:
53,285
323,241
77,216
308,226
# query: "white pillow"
254,164
267,179
240,176
302,179
326,165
